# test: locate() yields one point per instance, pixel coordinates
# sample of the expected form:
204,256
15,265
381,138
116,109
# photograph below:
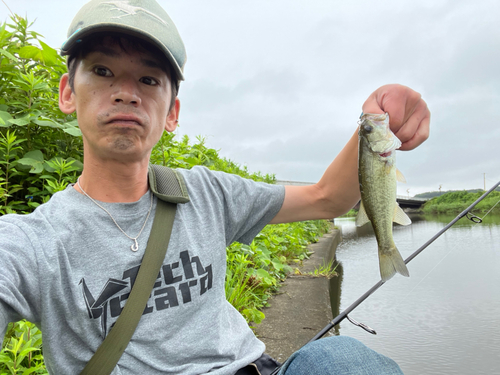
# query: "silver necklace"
135,246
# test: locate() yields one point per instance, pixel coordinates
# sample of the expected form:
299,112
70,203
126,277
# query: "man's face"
122,103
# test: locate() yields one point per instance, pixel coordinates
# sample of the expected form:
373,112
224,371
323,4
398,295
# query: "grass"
327,270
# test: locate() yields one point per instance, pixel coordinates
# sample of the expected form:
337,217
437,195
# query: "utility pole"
484,179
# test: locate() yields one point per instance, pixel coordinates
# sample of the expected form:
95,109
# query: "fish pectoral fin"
399,176
400,216
362,217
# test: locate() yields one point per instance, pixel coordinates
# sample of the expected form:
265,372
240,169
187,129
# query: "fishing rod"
344,314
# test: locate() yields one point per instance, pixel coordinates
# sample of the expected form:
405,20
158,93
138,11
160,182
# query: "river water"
444,318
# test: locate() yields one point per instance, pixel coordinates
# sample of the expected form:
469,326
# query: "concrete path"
302,306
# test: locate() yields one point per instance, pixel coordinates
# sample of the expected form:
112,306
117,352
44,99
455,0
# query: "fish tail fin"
391,262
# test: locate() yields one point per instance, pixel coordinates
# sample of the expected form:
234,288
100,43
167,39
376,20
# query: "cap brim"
72,42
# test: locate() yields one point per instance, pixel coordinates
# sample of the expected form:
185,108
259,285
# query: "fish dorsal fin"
362,217
400,216
399,176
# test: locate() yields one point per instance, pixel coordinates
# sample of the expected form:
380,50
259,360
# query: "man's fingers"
417,113
397,100
409,116
420,135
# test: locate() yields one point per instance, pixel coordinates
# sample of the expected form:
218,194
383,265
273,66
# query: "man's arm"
338,190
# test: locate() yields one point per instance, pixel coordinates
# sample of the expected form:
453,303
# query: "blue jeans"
339,355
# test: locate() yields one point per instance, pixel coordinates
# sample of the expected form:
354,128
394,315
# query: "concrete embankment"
302,306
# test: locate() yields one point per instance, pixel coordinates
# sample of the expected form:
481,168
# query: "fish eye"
367,128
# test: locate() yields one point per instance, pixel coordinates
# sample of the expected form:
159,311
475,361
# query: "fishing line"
339,318
425,277
490,209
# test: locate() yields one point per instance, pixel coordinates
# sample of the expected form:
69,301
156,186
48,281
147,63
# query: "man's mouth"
125,120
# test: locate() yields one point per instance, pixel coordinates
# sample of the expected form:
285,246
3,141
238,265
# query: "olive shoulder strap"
169,186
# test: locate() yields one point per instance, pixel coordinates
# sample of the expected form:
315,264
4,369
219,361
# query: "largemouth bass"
377,181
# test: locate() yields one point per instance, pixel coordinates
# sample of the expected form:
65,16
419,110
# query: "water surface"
444,318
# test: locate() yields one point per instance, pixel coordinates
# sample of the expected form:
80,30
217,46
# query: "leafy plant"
9,148
32,128
174,153
256,270
21,350
242,288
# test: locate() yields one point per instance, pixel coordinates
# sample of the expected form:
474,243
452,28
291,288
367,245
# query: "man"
69,265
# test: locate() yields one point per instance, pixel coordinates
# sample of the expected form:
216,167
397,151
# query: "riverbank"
302,306
456,202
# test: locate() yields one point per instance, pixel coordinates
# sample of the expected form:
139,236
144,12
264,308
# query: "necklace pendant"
135,246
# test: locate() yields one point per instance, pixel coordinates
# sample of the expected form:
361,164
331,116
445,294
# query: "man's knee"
339,355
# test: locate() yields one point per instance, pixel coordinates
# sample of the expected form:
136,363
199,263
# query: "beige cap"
144,19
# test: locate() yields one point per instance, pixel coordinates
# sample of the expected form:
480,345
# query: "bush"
182,154
40,147
22,350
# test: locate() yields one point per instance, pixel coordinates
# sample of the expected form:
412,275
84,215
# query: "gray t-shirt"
68,268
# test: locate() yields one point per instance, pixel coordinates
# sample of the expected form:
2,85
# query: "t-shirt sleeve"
244,205
18,283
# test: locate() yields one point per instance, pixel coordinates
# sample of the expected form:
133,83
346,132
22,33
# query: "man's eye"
149,81
103,72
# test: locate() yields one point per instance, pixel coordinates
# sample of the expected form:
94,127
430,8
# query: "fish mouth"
386,154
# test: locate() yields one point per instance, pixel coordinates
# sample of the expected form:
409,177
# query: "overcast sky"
278,85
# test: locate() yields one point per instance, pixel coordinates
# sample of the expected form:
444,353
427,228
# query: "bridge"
410,202
403,201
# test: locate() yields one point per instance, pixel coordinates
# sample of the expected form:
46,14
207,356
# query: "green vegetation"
351,213
22,350
255,271
325,269
433,194
40,147
41,153
182,154
457,201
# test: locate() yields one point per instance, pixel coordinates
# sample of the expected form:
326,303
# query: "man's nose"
126,92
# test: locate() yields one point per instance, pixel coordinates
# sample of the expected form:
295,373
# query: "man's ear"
173,117
66,97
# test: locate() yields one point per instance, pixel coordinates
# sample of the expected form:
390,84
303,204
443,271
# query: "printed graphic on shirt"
177,283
